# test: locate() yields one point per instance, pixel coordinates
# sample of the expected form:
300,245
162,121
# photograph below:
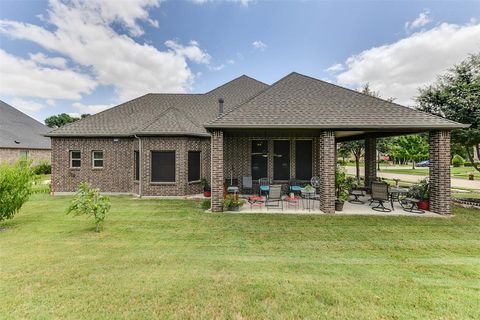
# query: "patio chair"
274,196
264,185
294,187
247,184
232,185
380,194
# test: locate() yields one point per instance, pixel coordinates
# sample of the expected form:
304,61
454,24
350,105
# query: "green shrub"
15,188
206,204
42,168
457,161
42,188
88,201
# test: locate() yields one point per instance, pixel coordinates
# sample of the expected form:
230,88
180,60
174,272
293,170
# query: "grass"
169,259
456,172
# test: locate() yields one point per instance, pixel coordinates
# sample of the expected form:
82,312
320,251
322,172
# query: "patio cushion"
264,188
295,188
232,189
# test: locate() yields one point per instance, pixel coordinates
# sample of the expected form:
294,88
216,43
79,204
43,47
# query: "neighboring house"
163,144
22,137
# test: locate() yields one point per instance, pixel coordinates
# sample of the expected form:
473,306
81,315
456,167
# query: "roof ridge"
23,113
236,107
367,95
228,82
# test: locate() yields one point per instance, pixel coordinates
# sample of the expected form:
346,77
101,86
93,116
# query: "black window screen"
137,165
163,166
303,156
259,159
193,165
281,160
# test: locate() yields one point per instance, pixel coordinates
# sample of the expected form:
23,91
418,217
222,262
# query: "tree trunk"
378,161
478,151
357,164
97,227
413,164
470,157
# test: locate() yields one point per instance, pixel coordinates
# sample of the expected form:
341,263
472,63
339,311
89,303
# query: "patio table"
395,193
308,199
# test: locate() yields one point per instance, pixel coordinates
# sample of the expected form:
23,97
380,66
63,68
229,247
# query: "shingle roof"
298,101
164,114
17,130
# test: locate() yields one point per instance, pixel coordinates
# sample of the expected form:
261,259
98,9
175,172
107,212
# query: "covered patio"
290,131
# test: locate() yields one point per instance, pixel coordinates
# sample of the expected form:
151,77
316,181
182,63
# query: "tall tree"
456,96
354,148
59,120
412,147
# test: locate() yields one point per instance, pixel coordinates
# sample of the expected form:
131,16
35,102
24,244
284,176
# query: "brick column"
327,171
440,171
217,170
370,160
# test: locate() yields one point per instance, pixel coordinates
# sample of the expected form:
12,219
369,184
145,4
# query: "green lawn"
459,172
169,259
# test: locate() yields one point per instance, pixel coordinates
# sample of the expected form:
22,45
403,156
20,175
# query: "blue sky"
85,56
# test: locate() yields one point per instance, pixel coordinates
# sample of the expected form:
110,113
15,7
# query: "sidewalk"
456,183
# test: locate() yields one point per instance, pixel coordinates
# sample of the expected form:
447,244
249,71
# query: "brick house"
22,137
163,144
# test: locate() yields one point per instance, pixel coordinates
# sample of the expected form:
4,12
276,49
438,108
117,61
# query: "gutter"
140,149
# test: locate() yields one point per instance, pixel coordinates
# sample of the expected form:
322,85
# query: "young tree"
62,119
412,147
356,149
15,188
88,201
456,96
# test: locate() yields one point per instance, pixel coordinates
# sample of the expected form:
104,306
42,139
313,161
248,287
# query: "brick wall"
12,155
370,160
327,174
115,176
118,173
217,170
440,172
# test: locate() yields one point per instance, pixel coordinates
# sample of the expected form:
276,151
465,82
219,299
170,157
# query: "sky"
84,56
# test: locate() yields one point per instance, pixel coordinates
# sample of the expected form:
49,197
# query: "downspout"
140,177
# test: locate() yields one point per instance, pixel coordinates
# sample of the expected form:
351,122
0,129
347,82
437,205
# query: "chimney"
220,106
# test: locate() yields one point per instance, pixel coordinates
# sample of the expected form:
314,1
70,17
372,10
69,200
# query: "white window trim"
93,159
71,159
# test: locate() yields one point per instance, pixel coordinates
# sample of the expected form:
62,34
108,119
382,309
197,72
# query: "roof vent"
220,106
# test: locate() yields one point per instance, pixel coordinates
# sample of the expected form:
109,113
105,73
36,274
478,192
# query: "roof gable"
303,102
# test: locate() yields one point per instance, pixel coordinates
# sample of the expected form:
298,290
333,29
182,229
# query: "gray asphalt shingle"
17,130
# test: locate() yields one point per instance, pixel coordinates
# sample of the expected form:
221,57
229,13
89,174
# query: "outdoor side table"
356,194
308,199
395,193
292,201
413,205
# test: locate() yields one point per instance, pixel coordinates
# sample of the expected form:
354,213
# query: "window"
281,160
259,159
136,157
97,159
163,166
193,165
23,154
75,159
303,157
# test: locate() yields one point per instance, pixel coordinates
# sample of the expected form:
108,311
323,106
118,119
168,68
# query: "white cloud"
42,59
90,109
335,68
26,106
50,102
21,77
422,19
83,32
244,3
259,45
397,70
191,52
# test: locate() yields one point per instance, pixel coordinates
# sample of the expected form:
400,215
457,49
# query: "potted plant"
207,192
421,191
232,202
342,184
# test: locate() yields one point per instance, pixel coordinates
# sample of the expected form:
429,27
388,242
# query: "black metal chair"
274,196
380,194
264,186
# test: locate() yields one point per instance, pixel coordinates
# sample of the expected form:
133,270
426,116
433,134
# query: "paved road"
456,183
